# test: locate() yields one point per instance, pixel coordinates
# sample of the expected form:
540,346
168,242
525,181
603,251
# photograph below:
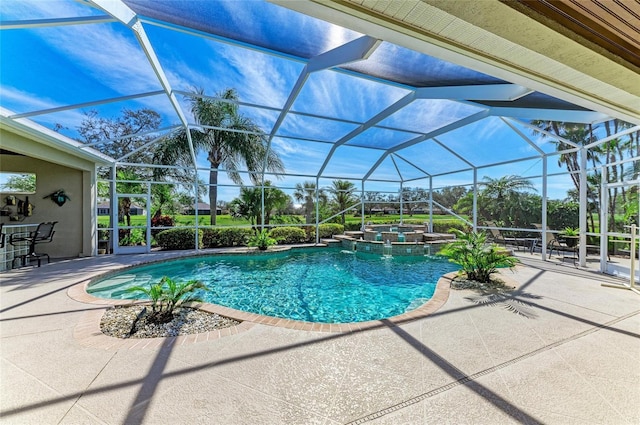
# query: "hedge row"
226,236
443,226
179,238
184,238
292,234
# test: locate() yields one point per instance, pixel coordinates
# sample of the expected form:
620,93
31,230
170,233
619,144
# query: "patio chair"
2,236
43,234
497,237
552,242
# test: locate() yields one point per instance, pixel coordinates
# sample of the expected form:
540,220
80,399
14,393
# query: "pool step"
117,282
331,242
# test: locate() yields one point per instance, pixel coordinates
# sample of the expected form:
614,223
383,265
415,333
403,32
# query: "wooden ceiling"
611,24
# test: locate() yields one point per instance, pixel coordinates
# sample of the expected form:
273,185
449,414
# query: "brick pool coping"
88,331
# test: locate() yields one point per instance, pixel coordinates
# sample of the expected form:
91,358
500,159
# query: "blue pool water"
314,285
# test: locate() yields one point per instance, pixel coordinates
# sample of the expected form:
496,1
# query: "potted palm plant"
570,236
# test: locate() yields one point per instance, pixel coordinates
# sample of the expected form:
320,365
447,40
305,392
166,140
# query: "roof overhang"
495,38
40,134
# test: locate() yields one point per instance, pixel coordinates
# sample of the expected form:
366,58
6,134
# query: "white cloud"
18,101
259,78
109,53
338,95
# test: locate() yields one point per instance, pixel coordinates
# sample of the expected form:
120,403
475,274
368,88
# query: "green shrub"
327,230
353,227
414,221
132,237
103,235
226,236
444,226
288,235
179,238
562,214
262,240
478,258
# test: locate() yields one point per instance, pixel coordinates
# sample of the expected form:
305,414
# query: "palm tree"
342,196
505,186
241,143
249,204
580,134
504,193
306,192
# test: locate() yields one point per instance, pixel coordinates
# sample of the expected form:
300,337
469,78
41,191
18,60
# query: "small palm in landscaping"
262,240
478,258
167,295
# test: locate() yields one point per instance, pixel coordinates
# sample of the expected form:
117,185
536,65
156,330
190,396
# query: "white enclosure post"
475,199
196,198
401,196
430,204
604,219
362,208
582,247
632,257
317,211
543,236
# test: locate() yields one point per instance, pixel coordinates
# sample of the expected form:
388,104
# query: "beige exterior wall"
54,170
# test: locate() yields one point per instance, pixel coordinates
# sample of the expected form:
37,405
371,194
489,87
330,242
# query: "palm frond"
508,301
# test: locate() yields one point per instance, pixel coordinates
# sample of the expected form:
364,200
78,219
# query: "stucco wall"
73,235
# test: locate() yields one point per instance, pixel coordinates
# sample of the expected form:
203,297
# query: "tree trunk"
213,193
310,211
125,204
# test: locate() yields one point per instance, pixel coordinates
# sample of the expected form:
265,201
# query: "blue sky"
50,67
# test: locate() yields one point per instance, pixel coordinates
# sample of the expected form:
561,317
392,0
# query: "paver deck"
575,358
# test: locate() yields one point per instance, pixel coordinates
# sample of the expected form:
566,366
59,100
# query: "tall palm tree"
241,143
342,196
580,134
306,192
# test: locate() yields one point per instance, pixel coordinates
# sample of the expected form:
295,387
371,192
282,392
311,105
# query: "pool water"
314,285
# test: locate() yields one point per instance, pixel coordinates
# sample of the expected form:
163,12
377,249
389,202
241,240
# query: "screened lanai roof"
335,102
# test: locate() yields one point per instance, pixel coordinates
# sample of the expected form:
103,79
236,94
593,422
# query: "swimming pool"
313,285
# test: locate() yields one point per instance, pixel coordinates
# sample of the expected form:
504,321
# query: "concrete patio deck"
576,361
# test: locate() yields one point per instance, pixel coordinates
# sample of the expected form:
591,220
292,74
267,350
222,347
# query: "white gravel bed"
117,322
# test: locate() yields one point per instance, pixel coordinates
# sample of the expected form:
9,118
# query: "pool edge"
88,333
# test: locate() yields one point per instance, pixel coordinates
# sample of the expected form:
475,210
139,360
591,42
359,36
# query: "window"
17,182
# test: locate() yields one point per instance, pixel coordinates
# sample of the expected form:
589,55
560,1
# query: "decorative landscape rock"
118,322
